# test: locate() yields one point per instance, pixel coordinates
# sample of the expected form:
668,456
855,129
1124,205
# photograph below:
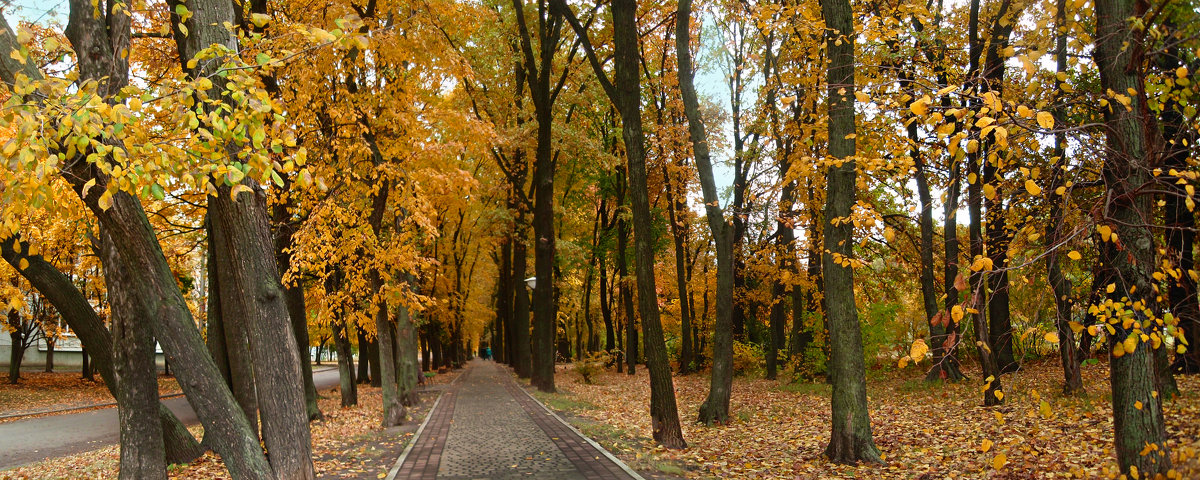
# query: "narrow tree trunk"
664,415
1059,284
522,353
349,387
49,355
851,439
293,292
230,318
17,352
631,346
716,407
364,356
407,367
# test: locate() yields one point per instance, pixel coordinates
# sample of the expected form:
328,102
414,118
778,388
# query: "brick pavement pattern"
485,427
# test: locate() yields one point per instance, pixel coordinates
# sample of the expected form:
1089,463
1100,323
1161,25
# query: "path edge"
587,439
395,470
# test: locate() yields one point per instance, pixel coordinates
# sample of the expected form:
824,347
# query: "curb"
417,435
581,435
83,407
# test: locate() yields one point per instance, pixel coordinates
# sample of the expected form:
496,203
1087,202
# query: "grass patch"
561,402
807,388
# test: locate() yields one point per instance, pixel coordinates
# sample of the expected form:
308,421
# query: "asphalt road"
28,441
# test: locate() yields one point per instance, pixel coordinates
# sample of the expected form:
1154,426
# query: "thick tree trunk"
393,409
229,317
155,286
1137,410
408,370
254,274
851,439
504,304
142,452
522,352
79,315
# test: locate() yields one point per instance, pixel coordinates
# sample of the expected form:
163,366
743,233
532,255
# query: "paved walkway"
31,440
486,427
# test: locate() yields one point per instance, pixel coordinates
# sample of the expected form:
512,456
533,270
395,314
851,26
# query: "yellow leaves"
999,394
1032,187
1105,232
986,445
23,264
105,200
1045,120
1181,72
921,106
259,20
956,313
1024,112
889,234
1130,343
999,461
1074,255
1044,409
1050,337
982,263
1138,405
203,84
918,350
989,191
237,190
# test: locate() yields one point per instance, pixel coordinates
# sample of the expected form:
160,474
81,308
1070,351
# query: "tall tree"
1128,244
851,439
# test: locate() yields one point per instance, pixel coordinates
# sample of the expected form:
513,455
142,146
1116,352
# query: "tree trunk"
285,231
49,355
254,274
406,361
978,280
349,387
17,352
85,368
1137,412
504,304
631,336
155,286
626,94
364,357
79,315
1059,284
142,452
851,439
716,407
522,352
229,317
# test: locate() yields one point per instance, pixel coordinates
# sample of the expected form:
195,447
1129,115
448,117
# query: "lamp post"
531,282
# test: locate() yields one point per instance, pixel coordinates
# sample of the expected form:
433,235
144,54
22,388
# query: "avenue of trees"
793,189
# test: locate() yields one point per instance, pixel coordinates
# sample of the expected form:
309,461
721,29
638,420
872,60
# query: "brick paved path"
485,427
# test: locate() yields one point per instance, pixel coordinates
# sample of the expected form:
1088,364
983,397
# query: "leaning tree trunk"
142,452
664,414
716,407
1137,409
155,286
79,315
232,352
851,439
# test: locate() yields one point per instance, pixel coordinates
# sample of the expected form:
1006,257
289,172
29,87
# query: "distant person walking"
487,353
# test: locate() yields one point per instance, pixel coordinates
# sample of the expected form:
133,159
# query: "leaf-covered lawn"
41,392
779,430
348,444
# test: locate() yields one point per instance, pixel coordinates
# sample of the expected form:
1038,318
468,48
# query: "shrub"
747,358
590,366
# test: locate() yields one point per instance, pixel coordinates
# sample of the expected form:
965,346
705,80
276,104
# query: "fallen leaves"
779,430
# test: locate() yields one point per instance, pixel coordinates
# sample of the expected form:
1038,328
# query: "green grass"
807,388
561,402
